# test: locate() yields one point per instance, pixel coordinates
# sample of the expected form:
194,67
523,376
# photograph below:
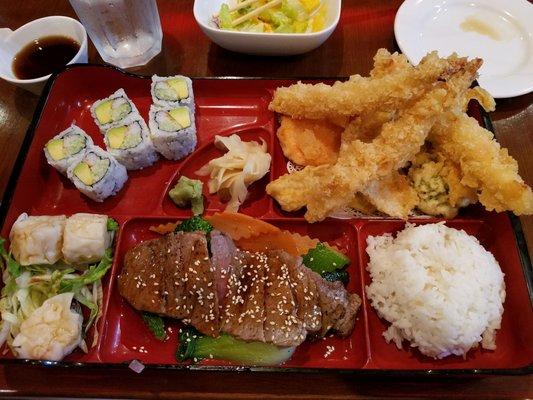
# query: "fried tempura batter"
392,195
309,142
484,165
324,189
364,94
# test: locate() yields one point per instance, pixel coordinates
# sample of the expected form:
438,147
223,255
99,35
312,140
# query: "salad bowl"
265,44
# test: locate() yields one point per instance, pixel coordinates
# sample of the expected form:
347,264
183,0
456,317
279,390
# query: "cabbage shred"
26,288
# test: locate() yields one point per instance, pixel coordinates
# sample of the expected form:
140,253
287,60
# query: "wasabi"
188,191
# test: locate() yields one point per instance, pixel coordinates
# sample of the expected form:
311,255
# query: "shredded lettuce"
224,17
13,267
93,273
26,288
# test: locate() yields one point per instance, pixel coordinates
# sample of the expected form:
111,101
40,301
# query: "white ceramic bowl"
268,44
11,42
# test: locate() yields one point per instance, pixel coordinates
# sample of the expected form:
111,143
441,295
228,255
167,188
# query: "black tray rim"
12,184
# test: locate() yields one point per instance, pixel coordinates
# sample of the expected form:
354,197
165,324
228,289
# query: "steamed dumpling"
51,332
86,238
37,240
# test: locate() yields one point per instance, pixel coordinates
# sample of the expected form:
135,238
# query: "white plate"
422,26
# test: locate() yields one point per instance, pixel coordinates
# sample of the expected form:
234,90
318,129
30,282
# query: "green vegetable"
194,224
13,267
91,305
112,225
224,17
188,191
94,273
156,324
323,259
294,10
337,276
195,346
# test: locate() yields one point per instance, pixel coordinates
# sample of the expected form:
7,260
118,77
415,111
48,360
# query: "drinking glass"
126,33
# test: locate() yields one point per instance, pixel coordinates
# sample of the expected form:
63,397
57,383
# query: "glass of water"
126,33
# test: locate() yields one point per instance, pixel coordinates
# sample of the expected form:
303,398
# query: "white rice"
438,287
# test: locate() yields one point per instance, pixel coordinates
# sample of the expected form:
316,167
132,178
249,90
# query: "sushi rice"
106,174
130,144
170,138
165,94
67,147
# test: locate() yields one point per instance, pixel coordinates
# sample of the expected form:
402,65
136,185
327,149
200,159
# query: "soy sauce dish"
31,53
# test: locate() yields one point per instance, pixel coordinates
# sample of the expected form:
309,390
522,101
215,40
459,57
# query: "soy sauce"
44,56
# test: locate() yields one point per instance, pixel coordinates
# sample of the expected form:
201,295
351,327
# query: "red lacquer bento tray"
225,106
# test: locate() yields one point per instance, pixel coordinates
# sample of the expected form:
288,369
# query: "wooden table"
365,26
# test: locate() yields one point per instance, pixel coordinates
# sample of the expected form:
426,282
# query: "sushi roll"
66,148
131,145
37,240
98,175
172,91
112,110
173,131
86,238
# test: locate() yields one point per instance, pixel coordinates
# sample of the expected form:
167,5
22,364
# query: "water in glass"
126,33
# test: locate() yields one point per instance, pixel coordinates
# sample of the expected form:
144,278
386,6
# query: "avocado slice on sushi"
84,173
116,136
179,86
92,169
181,116
103,112
55,149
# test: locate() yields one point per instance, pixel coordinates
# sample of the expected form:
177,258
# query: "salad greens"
26,288
291,16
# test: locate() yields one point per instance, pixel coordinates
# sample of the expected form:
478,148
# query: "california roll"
173,131
172,91
113,110
66,148
131,145
98,174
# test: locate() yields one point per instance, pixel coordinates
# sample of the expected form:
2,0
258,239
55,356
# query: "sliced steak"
222,252
198,291
306,297
337,305
243,312
173,276
282,326
142,275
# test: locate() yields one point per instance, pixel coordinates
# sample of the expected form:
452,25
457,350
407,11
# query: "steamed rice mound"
438,288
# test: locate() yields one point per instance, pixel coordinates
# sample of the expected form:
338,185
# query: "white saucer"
422,26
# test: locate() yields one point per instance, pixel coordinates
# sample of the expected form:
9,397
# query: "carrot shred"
163,229
281,240
240,226
304,243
